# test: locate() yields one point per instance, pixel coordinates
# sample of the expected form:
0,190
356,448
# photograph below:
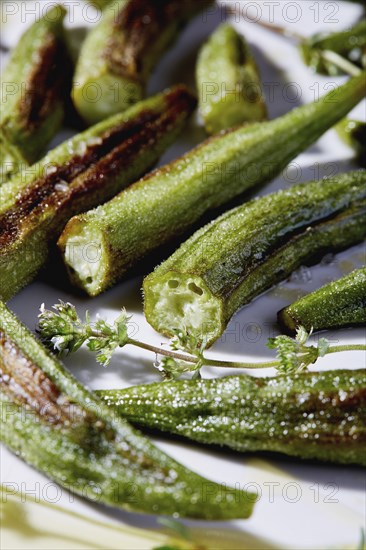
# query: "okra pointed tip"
338,304
74,438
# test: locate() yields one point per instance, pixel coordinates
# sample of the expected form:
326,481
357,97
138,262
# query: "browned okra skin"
35,90
59,427
170,200
120,53
308,415
80,174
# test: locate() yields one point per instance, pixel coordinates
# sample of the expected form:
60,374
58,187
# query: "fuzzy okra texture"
52,422
228,82
247,250
81,173
35,84
120,53
339,304
167,202
310,415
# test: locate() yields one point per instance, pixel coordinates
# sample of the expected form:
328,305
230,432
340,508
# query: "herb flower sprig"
64,331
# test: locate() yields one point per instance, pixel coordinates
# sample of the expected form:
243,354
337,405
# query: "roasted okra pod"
35,83
350,44
310,415
339,304
11,160
56,425
241,254
120,53
80,174
170,200
228,82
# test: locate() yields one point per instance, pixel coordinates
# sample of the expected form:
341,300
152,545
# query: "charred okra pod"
119,55
241,254
228,82
80,174
56,425
353,133
339,304
170,200
35,84
350,45
310,415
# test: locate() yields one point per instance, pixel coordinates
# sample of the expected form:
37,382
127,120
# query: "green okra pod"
62,429
35,83
120,53
353,133
228,82
310,415
170,200
79,174
247,250
340,303
349,44
11,160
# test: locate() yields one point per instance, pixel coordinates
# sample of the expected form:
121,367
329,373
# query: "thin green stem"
207,362
225,364
328,55
340,62
287,33
349,347
165,352
240,365
231,364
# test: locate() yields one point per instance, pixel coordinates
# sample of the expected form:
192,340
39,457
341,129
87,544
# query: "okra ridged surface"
167,202
339,304
228,82
310,415
52,422
120,53
80,174
241,254
35,84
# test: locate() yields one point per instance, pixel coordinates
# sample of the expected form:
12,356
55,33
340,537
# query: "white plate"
301,505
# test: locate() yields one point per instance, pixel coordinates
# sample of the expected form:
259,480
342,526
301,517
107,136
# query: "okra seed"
196,289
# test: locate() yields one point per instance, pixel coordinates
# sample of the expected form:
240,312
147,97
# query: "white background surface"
324,505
